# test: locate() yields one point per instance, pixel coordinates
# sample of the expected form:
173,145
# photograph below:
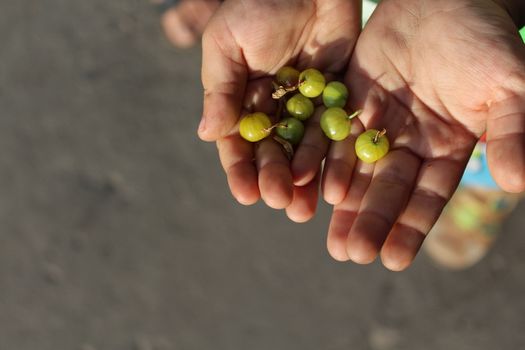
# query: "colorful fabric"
477,173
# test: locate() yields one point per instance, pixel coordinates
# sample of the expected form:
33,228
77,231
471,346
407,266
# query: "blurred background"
118,232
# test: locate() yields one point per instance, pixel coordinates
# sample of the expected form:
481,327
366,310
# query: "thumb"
506,143
224,75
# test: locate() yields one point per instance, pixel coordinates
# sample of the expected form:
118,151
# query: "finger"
310,152
345,213
177,29
336,36
224,76
304,202
236,157
386,197
437,182
185,23
203,10
506,143
339,165
275,179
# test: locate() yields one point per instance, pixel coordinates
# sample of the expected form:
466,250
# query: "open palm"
245,43
436,75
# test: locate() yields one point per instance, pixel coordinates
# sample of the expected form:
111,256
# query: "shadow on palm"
432,124
392,204
262,170
244,45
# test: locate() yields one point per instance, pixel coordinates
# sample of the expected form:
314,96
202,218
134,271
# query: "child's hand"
436,75
244,44
184,22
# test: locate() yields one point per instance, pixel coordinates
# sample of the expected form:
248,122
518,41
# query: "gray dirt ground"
118,231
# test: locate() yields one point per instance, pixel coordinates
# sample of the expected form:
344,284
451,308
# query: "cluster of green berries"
310,84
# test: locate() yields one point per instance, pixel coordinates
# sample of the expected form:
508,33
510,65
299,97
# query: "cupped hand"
436,74
245,43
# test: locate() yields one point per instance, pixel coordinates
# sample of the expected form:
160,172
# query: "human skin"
244,44
184,23
437,74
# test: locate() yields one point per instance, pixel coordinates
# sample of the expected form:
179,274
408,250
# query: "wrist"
515,9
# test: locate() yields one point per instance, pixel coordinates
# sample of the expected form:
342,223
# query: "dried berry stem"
280,91
355,114
271,127
378,135
287,146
